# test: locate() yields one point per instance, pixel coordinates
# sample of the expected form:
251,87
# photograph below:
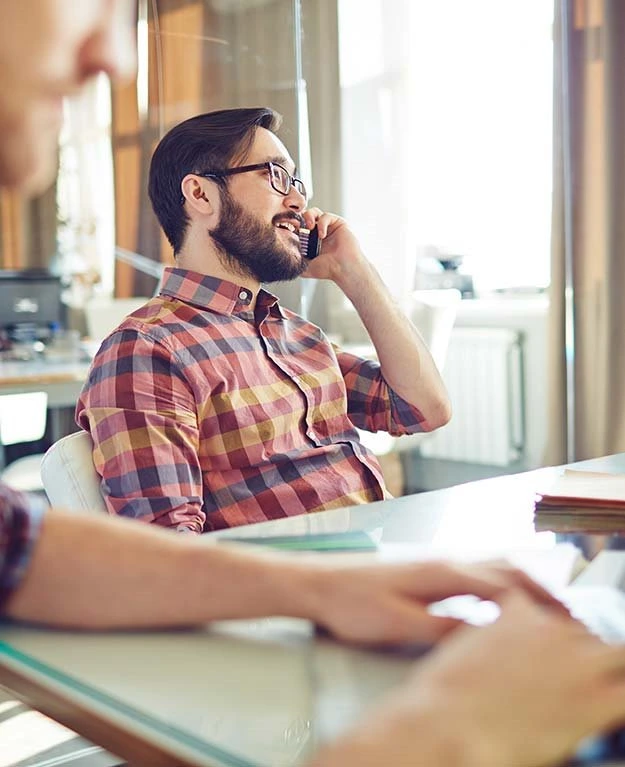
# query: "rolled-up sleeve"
372,404
20,525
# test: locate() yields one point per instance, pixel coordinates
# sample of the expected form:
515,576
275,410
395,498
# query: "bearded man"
213,406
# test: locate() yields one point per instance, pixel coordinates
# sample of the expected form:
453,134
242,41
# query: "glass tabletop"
266,693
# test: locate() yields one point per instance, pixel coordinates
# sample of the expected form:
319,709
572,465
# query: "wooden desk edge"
42,378
135,748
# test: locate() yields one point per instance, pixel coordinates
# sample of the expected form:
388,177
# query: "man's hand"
522,692
389,603
341,257
530,687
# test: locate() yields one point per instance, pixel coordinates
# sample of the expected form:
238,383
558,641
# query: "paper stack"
582,501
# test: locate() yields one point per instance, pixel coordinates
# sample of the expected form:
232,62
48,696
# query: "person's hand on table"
389,603
522,692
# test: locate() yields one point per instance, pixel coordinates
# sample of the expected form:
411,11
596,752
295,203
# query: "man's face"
251,233
48,49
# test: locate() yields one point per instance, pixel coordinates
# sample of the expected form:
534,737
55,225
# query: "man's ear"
196,196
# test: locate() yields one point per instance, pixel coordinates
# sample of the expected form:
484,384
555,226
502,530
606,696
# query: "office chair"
434,313
103,314
22,419
69,476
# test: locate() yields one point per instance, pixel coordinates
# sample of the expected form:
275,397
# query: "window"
85,208
446,135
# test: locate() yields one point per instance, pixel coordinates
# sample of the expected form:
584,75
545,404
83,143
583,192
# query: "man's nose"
295,200
112,48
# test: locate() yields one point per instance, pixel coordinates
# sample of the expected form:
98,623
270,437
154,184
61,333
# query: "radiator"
484,376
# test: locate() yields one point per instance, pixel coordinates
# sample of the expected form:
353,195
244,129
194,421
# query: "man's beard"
251,248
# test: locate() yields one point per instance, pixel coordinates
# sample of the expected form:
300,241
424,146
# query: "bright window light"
447,135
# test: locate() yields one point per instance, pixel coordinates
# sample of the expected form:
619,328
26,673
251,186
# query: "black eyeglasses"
279,178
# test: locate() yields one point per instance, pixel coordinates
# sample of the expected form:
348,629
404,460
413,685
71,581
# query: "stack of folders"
582,501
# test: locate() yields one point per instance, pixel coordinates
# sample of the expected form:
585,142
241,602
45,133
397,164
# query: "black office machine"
30,305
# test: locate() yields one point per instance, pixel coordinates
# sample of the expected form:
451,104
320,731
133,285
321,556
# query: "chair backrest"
69,476
103,315
434,313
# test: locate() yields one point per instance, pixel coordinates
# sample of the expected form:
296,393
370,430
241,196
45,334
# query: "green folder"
350,540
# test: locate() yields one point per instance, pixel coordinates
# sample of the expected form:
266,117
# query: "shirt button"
243,295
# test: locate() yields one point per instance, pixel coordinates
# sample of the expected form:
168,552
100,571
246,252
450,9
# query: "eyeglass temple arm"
232,171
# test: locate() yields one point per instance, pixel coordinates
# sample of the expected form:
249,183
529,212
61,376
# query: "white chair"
69,476
103,314
434,314
23,419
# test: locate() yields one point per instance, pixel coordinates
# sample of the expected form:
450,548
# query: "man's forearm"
405,360
91,572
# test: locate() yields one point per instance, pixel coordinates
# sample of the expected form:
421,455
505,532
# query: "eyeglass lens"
281,181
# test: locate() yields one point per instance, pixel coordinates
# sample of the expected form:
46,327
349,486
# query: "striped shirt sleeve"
142,418
371,403
20,524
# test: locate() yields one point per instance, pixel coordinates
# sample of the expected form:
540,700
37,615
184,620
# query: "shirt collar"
220,296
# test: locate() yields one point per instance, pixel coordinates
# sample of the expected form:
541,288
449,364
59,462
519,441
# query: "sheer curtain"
587,408
446,107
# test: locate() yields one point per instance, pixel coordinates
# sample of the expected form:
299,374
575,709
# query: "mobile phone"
309,243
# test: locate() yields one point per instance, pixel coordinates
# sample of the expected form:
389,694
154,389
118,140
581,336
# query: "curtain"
593,72
12,245
27,230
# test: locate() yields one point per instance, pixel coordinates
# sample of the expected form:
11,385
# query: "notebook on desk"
582,501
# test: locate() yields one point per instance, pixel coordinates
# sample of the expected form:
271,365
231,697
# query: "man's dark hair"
211,141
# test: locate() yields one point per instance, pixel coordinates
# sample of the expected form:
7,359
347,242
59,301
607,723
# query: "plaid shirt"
20,520
205,414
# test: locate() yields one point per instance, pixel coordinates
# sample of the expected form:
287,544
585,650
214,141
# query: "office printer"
30,306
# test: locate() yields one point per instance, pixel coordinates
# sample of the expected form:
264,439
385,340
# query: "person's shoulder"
169,314
158,311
